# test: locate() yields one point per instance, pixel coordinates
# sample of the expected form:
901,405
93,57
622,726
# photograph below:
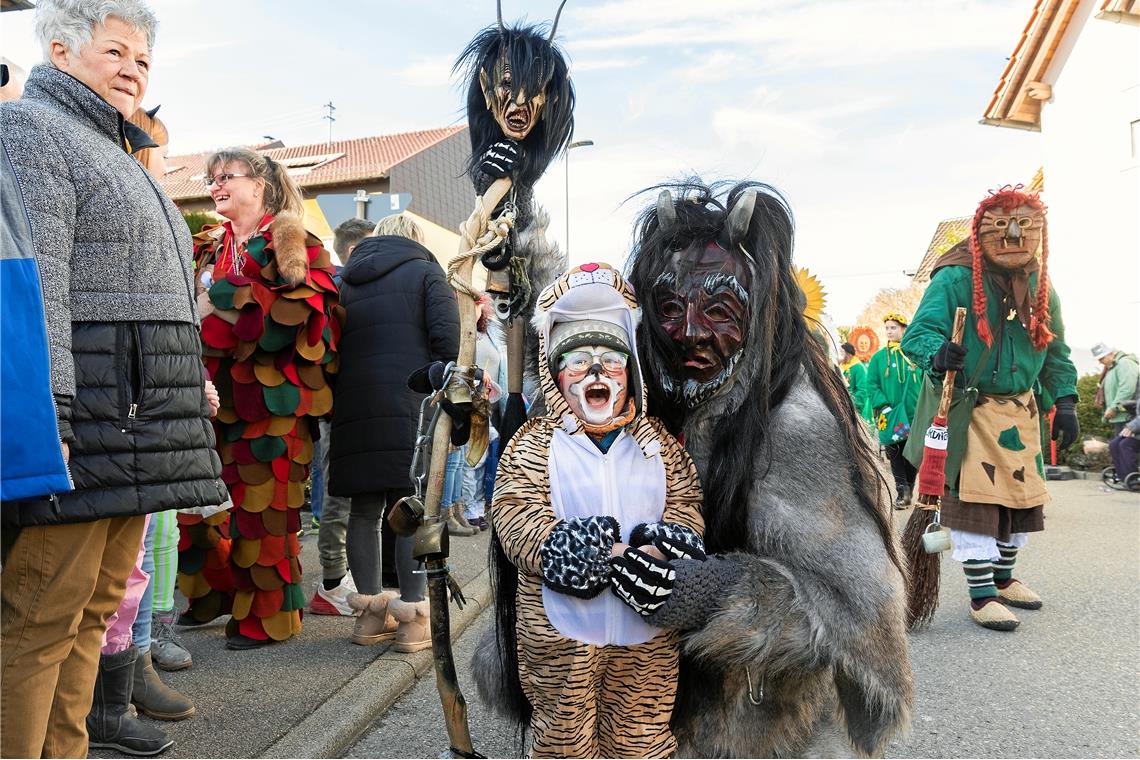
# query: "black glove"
673,539
950,356
575,556
500,159
641,581
1066,427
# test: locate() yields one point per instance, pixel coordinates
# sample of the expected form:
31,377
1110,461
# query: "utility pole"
331,108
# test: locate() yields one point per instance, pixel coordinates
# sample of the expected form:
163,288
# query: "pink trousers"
117,637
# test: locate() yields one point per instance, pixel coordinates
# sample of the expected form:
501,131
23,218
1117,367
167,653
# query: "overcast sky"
863,112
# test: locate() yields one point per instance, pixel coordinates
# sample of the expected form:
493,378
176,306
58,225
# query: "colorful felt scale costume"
268,348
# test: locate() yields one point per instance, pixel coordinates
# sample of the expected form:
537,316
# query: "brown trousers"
59,585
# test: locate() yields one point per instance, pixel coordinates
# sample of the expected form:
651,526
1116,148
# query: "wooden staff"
431,543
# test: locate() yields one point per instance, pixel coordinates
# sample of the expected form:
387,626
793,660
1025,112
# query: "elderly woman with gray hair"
126,372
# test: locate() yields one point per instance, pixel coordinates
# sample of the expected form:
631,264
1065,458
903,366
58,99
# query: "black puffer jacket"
143,441
402,314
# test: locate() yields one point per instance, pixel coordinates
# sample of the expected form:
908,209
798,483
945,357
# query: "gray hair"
73,22
400,225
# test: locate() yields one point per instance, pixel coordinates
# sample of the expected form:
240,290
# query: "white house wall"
1090,130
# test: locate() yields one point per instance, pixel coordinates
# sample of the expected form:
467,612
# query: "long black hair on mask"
536,64
779,347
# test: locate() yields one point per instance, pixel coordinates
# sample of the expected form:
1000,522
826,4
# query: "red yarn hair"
1009,198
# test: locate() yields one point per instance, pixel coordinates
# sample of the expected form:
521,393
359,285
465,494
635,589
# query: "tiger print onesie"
601,681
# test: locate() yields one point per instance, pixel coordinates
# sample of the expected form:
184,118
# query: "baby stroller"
1129,481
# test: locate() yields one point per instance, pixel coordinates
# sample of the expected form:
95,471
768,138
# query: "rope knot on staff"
491,234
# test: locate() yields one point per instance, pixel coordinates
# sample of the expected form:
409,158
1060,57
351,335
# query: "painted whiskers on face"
602,415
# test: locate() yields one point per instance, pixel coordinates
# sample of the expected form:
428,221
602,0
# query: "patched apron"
1002,464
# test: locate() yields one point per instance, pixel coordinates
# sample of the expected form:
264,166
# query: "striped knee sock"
980,580
165,577
1003,568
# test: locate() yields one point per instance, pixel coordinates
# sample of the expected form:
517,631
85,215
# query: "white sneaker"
334,601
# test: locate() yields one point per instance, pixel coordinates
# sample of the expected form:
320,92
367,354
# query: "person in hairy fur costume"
794,639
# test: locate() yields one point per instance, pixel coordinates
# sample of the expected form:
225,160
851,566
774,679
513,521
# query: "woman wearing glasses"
270,325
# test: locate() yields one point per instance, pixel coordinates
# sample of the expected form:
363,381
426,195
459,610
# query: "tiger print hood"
590,291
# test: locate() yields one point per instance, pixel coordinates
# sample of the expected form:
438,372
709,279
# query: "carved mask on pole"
514,109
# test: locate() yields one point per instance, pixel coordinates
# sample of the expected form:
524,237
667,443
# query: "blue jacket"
31,458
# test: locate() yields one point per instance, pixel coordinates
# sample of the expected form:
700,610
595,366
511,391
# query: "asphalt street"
1064,684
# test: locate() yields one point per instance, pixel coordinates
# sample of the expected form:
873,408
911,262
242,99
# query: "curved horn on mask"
739,217
153,111
666,212
499,13
554,26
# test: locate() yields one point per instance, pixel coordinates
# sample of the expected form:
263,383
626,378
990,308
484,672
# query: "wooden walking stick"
919,539
478,234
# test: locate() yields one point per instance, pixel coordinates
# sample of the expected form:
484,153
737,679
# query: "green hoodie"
1120,385
856,375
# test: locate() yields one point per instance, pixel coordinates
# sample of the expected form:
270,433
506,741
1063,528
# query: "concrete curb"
331,729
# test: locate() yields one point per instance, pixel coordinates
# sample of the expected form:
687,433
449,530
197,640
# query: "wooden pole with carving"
431,544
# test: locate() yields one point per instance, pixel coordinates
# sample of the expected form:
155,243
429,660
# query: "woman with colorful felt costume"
893,382
1014,353
270,327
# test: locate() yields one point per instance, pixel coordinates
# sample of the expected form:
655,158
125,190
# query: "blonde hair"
154,127
400,225
281,192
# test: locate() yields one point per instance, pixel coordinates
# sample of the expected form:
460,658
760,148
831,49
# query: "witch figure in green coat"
1014,352
893,383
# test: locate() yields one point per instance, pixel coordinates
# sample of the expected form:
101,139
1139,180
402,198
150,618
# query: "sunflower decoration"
865,341
815,298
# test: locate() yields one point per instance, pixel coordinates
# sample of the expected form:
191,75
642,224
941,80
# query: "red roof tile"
365,158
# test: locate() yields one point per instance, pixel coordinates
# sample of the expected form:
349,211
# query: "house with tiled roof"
1074,77
948,233
420,172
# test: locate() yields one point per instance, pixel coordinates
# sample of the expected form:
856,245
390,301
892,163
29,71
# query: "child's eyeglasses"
580,361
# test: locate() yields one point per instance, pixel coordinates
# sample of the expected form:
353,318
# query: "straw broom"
925,568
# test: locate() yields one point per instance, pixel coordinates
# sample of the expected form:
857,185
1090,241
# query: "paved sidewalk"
311,696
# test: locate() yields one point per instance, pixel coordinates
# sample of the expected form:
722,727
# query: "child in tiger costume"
593,478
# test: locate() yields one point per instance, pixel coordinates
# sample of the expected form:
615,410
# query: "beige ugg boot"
457,525
375,622
414,631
